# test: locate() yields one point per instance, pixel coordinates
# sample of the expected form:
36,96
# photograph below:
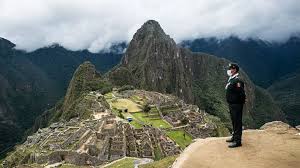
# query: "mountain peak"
151,28
154,25
83,80
6,43
147,42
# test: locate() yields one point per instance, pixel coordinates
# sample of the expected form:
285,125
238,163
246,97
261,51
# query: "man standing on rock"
235,96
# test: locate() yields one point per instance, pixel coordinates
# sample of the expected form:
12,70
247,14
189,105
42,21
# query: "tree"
146,108
184,121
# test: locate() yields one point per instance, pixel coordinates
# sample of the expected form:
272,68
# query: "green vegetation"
146,108
84,80
151,117
134,122
108,95
155,121
166,110
125,87
80,108
164,163
137,99
182,138
286,93
18,155
265,107
221,129
212,99
157,153
72,166
123,163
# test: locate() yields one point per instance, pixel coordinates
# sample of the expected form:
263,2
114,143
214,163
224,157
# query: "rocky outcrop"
153,61
279,127
276,144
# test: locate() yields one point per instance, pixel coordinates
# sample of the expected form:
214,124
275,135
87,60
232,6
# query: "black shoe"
230,139
234,144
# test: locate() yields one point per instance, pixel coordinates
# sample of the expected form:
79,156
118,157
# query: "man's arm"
240,89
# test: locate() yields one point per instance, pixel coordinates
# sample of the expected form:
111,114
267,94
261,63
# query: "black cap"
234,66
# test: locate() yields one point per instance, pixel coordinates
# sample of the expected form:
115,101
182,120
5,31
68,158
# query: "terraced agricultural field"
123,163
182,138
151,119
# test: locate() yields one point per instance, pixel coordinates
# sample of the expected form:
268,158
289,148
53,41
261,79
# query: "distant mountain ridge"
265,62
35,81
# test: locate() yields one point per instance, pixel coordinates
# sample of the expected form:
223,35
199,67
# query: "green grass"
137,99
155,122
157,153
164,163
134,123
123,163
71,166
178,137
108,95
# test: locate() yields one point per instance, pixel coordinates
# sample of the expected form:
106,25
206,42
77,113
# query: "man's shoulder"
238,81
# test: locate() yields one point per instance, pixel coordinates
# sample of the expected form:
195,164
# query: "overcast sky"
96,24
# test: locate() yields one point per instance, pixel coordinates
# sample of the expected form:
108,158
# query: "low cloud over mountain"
96,25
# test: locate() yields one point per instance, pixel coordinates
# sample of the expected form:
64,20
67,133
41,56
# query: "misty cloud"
97,24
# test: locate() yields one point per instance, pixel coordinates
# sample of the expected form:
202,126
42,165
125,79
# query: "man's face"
233,71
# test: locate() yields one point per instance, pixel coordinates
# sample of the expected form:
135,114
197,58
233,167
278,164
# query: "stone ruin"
102,140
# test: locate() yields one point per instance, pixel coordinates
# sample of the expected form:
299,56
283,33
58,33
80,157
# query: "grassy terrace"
123,163
163,163
134,123
178,137
157,153
151,119
134,107
137,99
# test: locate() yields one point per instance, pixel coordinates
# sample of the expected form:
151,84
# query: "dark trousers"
236,114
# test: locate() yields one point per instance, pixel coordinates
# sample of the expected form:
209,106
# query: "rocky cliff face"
153,61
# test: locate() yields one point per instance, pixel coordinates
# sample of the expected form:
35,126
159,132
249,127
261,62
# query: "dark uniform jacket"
235,93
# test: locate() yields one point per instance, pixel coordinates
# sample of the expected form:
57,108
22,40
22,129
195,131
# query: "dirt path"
261,149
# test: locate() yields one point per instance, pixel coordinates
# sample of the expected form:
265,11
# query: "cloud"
97,24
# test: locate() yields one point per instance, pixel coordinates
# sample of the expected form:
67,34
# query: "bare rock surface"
276,145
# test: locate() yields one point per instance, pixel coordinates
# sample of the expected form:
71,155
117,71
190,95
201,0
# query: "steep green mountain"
286,93
271,65
33,82
153,61
23,90
85,79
